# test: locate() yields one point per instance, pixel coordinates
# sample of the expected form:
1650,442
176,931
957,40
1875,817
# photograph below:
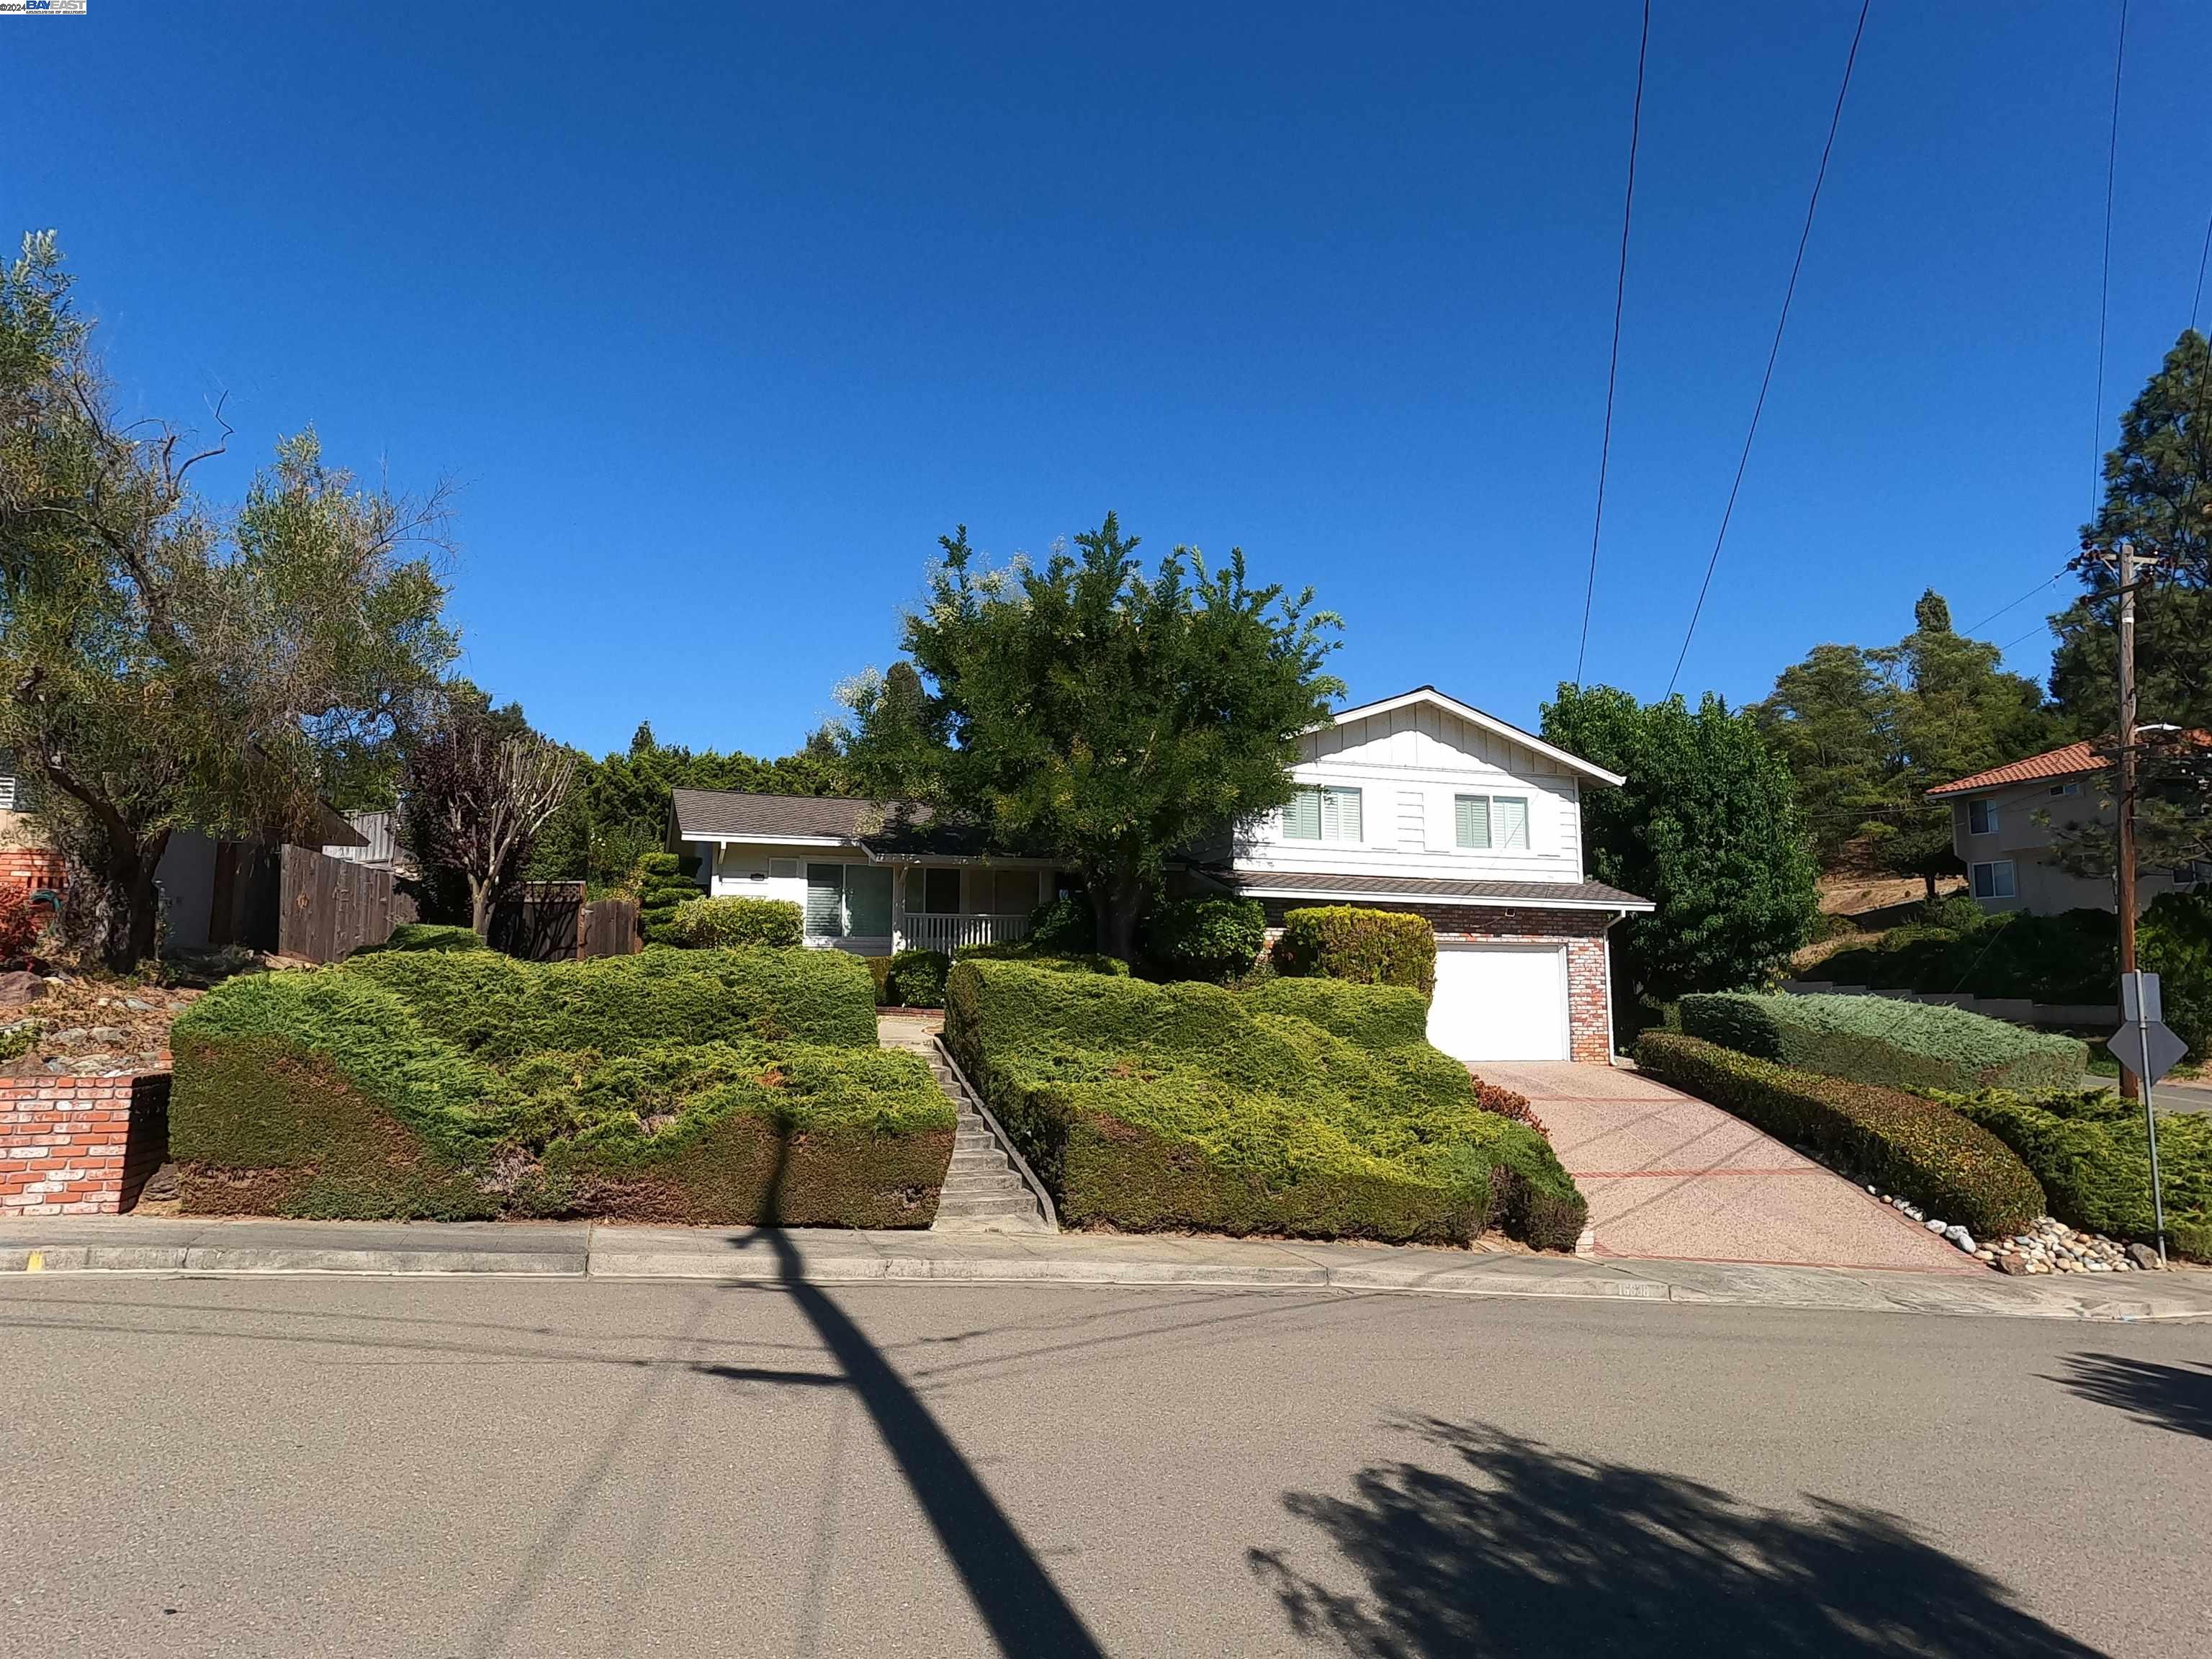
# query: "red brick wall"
1589,1004
31,867
79,1145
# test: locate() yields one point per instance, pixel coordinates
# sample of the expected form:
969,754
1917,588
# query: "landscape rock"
2144,1257
20,988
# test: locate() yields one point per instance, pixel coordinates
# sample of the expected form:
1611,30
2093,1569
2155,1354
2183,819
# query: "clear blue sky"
719,318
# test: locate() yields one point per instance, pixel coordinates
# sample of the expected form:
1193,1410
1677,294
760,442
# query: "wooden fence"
551,921
327,908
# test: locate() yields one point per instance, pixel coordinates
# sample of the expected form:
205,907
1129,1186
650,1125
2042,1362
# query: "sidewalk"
593,1250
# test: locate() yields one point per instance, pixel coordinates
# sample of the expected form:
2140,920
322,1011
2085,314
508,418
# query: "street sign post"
2147,1048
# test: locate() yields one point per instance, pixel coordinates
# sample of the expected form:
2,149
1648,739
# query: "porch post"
898,907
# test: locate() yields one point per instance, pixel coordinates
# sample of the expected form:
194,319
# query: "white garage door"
1500,1002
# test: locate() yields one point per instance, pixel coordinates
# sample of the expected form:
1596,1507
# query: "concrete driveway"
1669,1175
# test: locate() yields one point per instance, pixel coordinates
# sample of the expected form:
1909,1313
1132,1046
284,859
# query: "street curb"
233,1259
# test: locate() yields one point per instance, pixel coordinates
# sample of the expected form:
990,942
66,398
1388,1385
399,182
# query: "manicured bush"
1065,924
499,1008
1208,939
1880,1040
2072,958
732,922
1902,1143
1029,951
426,936
1148,1106
880,970
675,1089
2088,1151
1368,947
664,884
917,978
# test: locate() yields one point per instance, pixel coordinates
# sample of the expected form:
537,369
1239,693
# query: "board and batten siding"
1410,765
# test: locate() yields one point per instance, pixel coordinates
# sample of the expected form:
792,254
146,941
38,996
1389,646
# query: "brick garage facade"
31,868
79,1145
1589,999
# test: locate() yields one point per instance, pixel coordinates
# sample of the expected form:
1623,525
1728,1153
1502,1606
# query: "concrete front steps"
983,1192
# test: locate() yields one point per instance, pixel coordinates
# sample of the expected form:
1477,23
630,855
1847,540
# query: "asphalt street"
408,1466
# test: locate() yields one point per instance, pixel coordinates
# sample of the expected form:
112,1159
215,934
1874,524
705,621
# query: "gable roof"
1490,723
2071,761
882,829
2076,760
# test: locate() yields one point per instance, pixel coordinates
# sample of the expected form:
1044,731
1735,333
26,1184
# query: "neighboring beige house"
2004,823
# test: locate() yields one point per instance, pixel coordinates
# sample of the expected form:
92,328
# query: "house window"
940,892
1014,892
1993,879
2065,788
1326,814
1485,821
848,901
1981,817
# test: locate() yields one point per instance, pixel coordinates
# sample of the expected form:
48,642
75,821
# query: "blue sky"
719,318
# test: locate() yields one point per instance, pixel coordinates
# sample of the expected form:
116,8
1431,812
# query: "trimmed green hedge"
734,922
1291,1110
1904,1144
1368,947
1879,1040
1208,939
1044,956
718,1087
2088,1151
426,936
664,884
917,978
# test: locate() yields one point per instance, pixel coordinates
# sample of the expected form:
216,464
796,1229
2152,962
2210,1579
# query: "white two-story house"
1415,803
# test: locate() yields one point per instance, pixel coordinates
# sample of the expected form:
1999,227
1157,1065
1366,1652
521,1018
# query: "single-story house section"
1416,803
871,876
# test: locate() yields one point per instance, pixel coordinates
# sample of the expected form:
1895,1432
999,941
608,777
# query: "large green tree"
168,663
1082,709
1706,827
2158,492
1867,733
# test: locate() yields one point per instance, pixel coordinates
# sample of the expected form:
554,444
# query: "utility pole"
2127,770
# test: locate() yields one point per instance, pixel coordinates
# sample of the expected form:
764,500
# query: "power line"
1613,364
2197,303
2104,280
1789,294
2022,599
2040,628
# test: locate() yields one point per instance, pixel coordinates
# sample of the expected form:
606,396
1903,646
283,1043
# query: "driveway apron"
1669,1175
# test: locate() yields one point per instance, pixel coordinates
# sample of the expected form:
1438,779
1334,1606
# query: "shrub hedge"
1368,947
1044,956
664,884
1208,939
426,936
1879,1040
734,922
720,1087
1065,924
1902,1143
1292,1109
2088,1150
917,978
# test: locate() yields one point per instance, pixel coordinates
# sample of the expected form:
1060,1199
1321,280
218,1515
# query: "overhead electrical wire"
2197,304
1613,361
1789,294
1974,627
2105,279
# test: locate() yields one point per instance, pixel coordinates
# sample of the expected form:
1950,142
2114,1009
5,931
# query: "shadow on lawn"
1025,1610
2176,1397
1518,1549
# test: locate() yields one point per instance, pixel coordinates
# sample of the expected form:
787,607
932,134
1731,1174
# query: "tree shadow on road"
1521,1550
2176,1397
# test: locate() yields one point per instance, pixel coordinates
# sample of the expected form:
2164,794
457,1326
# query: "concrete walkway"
1669,1175
227,1248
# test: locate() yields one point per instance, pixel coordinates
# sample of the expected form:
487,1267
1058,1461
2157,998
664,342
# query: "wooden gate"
328,907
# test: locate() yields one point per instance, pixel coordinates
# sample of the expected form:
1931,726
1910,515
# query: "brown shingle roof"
1423,890
707,813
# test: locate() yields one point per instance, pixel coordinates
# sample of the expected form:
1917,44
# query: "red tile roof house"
1417,803
2004,823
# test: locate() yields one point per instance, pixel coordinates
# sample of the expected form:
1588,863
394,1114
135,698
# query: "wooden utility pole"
2126,873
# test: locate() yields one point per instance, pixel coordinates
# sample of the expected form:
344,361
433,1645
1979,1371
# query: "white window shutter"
1512,812
1471,821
